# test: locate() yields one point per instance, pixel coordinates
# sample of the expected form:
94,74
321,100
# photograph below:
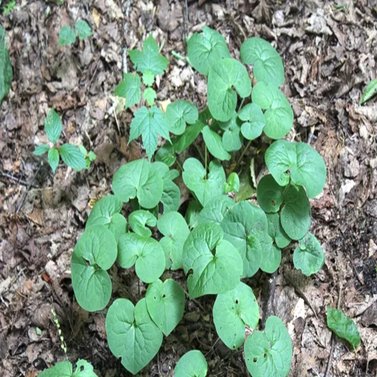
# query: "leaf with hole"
65,369
179,114
129,89
191,364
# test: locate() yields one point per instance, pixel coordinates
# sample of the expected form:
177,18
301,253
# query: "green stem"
205,158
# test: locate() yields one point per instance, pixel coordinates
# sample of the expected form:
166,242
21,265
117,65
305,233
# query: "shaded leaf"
214,144
130,89
269,194
180,113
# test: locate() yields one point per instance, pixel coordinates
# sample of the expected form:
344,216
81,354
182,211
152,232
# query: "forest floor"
329,50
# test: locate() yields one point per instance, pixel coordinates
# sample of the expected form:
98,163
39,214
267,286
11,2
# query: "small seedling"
68,35
369,91
9,7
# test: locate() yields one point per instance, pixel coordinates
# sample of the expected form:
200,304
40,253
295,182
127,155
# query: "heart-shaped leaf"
309,256
191,364
188,137
166,304
276,231
131,334
139,220
269,194
298,162
231,139
180,113
253,121
269,352
225,80
103,211
65,369
271,260
214,144
94,253
233,312
130,89
232,183
145,253
215,210
267,63
213,265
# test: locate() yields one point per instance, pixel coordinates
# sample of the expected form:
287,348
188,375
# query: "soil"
329,50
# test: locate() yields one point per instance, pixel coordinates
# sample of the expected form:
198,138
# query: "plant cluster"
223,238
69,35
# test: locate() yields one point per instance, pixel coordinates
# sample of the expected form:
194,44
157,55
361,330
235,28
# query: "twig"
15,179
185,20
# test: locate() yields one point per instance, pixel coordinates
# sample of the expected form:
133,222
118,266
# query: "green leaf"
213,265
72,156
138,179
150,124
215,209
343,326
53,159
64,369
188,137
94,253
148,78
166,155
6,71
67,36
278,115
269,352
225,80
103,211
295,213
118,225
83,369
130,89
192,213
267,63
233,312
204,187
298,162
149,60
271,260
83,29
231,138
173,227
276,231
41,149
206,49
269,194
149,96
131,334
53,126
369,91
254,121
232,183
166,304
179,114
191,364
145,253
139,220
214,144
309,256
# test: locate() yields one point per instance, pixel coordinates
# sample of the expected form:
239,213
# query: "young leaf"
149,96
204,187
191,364
254,121
309,256
166,303
179,114
267,63
130,89
233,312
225,80
214,144
206,49
53,126
269,352
269,194
343,326
271,260
72,156
149,60
138,179
53,159
231,139
278,115
67,36
232,183
145,253
298,162
6,71
276,231
215,210
131,334
213,265
295,213
94,253
150,124
139,220
83,29
188,137
148,78
369,91
41,149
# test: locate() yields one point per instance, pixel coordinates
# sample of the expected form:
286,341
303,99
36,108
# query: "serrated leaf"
267,63
269,194
343,326
188,137
253,121
139,220
130,89
269,352
53,159
206,49
166,303
148,78
215,210
149,96
131,334
214,144
149,60
6,70
213,265
67,36
233,312
191,364
72,156
278,111
276,231
83,29
145,253
41,149
53,126
225,80
271,260
202,185
232,183
369,91
309,256
179,114
298,162
94,253
150,124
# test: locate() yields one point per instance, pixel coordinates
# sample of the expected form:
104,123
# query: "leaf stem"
243,152
205,158
199,152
